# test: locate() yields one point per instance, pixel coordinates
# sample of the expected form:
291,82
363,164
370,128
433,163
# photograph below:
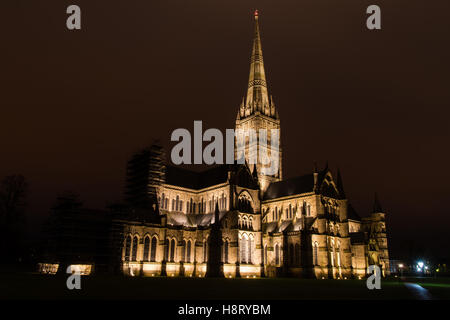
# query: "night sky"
76,104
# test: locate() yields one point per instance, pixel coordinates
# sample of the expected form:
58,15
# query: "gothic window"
146,248
153,250
127,248
243,246
250,249
250,223
163,199
315,254
188,252
177,202
134,250
173,204
172,250
181,205
166,203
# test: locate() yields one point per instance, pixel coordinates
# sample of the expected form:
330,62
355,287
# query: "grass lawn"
36,286
438,287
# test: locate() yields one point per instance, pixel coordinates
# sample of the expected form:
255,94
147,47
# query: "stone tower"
257,112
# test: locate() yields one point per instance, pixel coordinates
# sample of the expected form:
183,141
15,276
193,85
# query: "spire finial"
256,13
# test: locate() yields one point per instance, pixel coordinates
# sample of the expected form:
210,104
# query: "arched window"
225,252
188,252
163,198
315,254
172,250
166,206
245,222
250,249
153,250
243,246
250,223
177,203
135,248
146,248
127,248
277,254
309,210
173,204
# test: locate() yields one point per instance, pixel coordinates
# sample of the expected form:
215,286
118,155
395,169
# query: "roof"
196,180
290,187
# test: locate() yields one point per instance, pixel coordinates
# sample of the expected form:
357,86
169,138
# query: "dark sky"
76,104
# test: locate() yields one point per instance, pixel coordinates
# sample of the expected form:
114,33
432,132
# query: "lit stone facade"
299,227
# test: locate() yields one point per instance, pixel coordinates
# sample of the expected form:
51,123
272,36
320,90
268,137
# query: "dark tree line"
13,195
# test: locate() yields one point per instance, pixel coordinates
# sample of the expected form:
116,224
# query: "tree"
13,191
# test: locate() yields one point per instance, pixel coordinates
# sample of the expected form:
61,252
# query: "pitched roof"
290,187
196,180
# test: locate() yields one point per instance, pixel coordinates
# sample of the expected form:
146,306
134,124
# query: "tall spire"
257,94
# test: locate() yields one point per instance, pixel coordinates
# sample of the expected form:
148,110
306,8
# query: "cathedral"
233,220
